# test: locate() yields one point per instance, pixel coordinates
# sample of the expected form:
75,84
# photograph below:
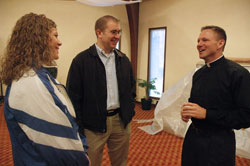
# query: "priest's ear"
221,44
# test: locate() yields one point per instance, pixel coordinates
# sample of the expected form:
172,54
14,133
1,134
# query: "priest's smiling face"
209,46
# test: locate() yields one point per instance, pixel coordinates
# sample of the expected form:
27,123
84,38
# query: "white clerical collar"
209,64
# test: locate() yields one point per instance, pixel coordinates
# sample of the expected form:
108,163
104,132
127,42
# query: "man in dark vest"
101,86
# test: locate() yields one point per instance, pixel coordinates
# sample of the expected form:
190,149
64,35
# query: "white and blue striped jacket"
40,120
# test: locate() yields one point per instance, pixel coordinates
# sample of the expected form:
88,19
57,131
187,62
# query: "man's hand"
192,110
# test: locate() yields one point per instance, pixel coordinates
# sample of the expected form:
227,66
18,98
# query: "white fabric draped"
167,115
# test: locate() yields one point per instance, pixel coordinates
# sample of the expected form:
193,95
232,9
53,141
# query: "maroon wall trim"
133,19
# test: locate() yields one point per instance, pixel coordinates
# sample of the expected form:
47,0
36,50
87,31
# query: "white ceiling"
107,2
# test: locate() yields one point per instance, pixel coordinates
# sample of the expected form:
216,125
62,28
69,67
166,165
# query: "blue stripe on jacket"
28,153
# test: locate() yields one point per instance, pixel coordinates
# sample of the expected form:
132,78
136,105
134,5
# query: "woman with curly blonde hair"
39,115
28,47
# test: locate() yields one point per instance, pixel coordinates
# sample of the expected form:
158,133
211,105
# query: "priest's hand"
185,118
192,110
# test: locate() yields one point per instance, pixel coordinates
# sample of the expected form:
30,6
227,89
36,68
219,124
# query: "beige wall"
75,24
183,19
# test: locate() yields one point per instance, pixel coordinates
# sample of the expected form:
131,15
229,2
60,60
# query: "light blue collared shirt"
108,61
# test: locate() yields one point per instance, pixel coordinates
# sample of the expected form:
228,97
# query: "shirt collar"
102,52
211,63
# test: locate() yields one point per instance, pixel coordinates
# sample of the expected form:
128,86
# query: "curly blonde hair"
27,47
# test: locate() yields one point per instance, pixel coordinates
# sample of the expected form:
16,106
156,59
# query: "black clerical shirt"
223,89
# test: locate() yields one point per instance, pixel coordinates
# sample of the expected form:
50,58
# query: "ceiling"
108,2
